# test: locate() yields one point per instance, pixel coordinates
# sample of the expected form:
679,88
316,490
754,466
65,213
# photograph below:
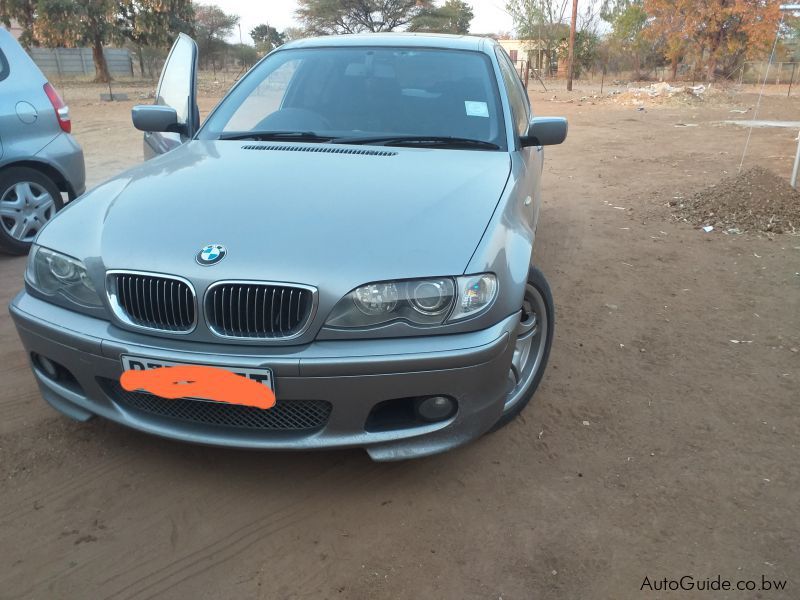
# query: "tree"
77,23
23,12
266,37
293,33
326,17
587,51
713,32
790,39
246,54
628,20
95,23
730,30
540,20
453,17
152,23
671,27
212,25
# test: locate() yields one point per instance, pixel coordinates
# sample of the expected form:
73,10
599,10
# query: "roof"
414,40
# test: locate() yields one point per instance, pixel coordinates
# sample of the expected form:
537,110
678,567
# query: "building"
535,52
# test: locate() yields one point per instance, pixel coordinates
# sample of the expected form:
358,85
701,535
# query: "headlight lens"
376,299
476,293
418,301
55,273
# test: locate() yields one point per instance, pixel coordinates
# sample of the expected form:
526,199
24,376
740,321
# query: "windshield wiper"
294,136
418,140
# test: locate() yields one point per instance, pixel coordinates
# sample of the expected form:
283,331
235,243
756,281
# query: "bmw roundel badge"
210,255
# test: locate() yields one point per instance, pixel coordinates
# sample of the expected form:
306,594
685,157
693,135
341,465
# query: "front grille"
152,301
257,310
296,415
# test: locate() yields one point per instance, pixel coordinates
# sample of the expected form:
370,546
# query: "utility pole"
571,59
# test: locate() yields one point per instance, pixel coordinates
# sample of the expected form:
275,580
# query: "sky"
490,17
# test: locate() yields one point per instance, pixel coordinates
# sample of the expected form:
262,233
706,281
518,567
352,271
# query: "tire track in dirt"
239,541
58,488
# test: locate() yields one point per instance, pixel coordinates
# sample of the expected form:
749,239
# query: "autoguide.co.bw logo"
688,583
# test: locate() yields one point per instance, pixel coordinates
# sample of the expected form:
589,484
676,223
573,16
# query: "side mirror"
545,131
151,117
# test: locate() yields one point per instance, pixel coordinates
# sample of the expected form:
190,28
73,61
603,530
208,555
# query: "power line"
761,92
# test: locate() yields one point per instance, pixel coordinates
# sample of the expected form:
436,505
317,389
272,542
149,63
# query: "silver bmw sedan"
352,226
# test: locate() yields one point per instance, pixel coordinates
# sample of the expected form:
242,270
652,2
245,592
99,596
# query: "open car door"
174,117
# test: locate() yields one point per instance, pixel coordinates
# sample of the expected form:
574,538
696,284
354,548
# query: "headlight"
418,301
475,294
55,273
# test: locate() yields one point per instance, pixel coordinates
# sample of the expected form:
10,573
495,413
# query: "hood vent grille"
323,149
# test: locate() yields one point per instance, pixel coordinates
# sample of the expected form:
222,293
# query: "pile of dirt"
756,200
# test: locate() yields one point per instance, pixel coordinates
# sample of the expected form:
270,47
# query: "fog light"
436,408
46,365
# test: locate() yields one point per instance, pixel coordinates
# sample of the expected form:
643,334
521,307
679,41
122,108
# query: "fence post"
82,54
791,81
58,62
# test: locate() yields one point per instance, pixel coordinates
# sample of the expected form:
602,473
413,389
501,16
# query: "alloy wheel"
529,346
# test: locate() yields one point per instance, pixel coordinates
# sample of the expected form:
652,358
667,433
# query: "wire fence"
778,73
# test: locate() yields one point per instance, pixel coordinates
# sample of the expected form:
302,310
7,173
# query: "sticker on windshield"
476,109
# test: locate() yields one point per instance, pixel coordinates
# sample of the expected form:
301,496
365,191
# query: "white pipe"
796,168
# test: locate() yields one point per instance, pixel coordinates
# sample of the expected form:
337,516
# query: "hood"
293,213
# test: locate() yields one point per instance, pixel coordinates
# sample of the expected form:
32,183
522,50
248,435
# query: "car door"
529,160
4,110
177,88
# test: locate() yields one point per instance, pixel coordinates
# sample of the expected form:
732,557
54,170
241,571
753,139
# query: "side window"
3,66
175,88
516,95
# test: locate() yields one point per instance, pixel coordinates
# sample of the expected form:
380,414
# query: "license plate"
139,363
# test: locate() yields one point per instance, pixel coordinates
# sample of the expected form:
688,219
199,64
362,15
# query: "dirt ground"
663,441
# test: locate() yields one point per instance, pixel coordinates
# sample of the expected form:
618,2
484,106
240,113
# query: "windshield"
362,92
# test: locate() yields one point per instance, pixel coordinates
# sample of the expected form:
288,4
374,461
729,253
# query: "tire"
521,390
41,200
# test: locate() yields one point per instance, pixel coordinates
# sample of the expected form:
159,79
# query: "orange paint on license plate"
202,382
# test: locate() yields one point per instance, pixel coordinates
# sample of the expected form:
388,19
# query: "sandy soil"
656,446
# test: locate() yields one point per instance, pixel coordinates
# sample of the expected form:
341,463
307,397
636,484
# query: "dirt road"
656,447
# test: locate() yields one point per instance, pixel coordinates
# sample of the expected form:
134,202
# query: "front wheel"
534,336
28,200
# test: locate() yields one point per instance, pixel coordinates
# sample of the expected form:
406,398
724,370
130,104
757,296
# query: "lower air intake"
297,415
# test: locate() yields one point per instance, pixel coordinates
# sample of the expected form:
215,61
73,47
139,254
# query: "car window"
4,69
175,86
517,97
362,91
265,99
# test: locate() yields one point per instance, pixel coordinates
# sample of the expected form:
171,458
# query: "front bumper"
354,376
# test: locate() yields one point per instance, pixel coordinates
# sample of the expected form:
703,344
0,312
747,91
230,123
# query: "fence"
779,73
523,70
78,61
